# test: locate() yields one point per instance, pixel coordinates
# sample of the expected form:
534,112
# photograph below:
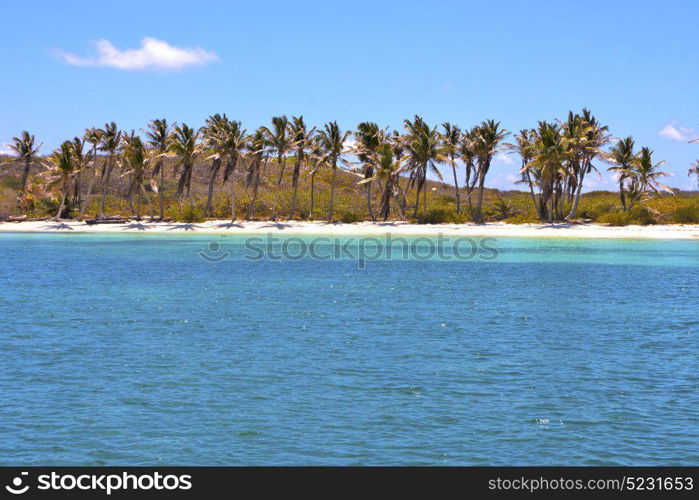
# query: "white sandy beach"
675,231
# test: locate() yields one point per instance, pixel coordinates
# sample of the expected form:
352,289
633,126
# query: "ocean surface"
132,349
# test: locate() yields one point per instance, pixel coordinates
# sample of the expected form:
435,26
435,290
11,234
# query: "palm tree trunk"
60,208
479,206
332,192
456,187
576,199
282,165
232,200
84,206
368,201
138,205
622,196
251,207
25,175
313,191
418,186
160,192
105,182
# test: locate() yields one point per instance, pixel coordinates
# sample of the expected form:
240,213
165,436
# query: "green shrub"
349,217
638,215
688,214
185,212
501,209
440,216
615,218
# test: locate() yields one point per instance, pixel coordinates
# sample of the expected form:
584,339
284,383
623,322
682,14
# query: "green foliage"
688,214
188,212
500,209
349,217
439,216
638,216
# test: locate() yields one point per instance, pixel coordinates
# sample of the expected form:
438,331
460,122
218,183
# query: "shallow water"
133,349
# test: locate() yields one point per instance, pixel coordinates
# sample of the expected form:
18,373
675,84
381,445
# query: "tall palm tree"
331,142
594,137
110,141
136,160
301,138
27,152
451,144
487,141
468,158
388,168
94,137
159,136
422,152
62,170
548,163
185,147
368,137
232,143
280,141
213,133
623,158
257,150
80,159
524,146
645,177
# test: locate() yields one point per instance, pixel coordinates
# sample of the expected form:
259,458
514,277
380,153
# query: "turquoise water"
133,349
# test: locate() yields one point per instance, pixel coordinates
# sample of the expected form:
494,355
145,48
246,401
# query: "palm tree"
593,137
184,145
623,157
231,144
549,154
487,139
422,151
645,177
280,141
213,133
159,136
694,170
468,158
368,138
27,152
388,168
524,146
110,141
301,138
94,137
136,160
62,170
451,144
257,149
80,161
331,142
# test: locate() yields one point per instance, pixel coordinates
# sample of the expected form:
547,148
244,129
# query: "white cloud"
153,54
503,158
678,133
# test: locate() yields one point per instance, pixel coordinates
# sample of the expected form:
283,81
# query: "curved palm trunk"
386,201
576,199
418,187
105,183
282,165
368,201
138,205
232,200
456,187
622,196
25,175
297,171
62,206
332,192
160,192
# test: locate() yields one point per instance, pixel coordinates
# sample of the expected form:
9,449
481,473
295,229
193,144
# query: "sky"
75,64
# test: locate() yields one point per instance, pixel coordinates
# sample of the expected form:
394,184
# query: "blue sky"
635,64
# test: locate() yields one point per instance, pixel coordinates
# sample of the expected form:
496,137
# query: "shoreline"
397,228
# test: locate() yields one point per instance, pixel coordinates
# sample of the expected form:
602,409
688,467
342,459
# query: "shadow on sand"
184,227
58,225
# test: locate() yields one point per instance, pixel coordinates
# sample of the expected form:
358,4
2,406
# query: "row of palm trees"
555,159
